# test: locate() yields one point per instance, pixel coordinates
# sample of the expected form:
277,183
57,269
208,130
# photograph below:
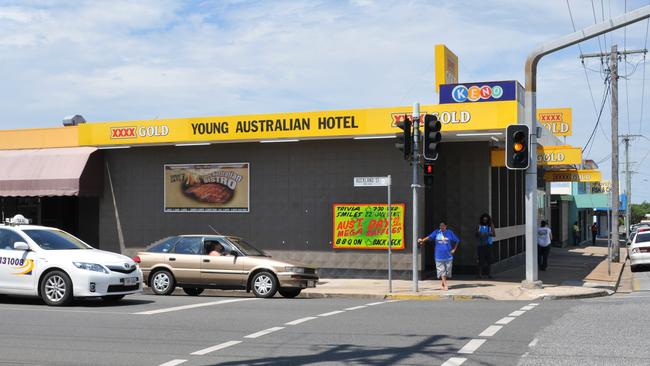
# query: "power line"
602,107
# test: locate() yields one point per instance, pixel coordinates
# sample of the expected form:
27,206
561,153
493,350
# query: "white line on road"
533,304
357,307
533,343
173,363
516,313
490,331
528,307
332,313
376,303
192,306
472,346
263,332
454,361
205,351
504,321
301,320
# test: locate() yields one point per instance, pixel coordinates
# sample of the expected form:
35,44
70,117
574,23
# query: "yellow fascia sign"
558,120
546,156
572,175
446,66
294,125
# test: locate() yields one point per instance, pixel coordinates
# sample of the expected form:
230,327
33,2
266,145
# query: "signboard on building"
558,120
488,91
546,156
446,66
219,187
365,226
573,175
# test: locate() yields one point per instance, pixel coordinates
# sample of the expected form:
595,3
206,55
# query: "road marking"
2,308
263,332
490,331
504,321
356,307
533,343
528,307
332,313
454,361
301,320
376,303
533,304
516,313
472,346
205,351
193,306
173,363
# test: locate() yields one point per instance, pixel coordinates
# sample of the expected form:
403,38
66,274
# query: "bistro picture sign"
207,187
365,226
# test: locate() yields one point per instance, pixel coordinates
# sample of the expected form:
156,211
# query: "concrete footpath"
572,273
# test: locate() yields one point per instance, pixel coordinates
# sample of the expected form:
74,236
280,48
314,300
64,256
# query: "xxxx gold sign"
546,156
298,125
558,120
572,176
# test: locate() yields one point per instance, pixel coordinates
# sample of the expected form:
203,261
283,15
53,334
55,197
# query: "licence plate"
311,284
130,281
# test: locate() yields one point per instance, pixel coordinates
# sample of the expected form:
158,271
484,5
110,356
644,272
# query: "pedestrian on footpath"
485,234
444,253
594,231
544,237
576,234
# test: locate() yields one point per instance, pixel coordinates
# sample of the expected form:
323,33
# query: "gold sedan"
197,262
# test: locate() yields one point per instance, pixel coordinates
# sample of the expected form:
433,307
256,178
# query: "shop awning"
49,172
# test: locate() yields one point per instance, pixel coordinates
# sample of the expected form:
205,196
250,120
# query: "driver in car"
215,249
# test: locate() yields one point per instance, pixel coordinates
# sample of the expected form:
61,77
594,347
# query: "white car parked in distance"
57,266
639,250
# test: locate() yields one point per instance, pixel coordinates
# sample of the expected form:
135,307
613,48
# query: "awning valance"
50,172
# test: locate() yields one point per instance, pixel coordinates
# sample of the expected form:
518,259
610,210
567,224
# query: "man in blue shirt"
444,253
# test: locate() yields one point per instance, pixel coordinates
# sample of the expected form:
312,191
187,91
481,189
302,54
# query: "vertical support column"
613,58
531,194
414,186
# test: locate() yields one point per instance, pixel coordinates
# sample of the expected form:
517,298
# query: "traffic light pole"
415,186
531,120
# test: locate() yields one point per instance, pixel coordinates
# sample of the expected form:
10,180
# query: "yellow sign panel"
295,125
446,66
546,156
572,176
558,120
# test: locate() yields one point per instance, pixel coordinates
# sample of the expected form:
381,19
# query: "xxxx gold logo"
123,132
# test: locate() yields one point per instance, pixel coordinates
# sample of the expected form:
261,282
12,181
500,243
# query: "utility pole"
530,110
613,80
628,183
415,186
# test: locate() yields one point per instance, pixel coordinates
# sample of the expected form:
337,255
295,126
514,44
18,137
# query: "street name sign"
371,181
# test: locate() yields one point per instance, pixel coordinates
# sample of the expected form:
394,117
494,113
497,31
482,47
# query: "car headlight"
91,267
295,269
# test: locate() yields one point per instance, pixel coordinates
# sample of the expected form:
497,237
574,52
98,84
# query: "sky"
124,60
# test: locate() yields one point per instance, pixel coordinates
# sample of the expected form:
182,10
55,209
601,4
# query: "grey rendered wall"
293,187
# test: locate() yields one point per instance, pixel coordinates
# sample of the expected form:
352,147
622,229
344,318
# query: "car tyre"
290,293
264,284
162,282
112,298
193,291
56,289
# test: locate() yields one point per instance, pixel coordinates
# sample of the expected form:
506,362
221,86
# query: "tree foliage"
639,210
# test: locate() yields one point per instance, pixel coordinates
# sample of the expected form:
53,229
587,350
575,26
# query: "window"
55,240
163,246
189,245
8,238
642,238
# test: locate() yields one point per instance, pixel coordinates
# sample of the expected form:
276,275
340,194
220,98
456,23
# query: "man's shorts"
444,268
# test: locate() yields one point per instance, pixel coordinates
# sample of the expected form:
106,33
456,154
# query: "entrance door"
221,271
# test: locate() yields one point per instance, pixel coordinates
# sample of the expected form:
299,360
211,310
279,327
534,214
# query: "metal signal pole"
415,186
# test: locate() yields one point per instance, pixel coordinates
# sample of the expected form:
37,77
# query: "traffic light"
517,147
432,137
428,169
405,139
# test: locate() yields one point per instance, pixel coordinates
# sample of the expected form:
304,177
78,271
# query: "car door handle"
206,260
172,259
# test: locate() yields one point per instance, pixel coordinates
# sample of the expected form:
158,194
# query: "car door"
221,271
185,259
16,266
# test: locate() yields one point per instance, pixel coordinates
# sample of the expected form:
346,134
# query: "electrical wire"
602,106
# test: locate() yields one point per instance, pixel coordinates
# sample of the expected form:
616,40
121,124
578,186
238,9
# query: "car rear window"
163,246
642,237
189,245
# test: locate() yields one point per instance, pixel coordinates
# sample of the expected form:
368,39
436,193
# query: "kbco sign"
490,91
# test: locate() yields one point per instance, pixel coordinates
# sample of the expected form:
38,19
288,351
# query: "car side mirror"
21,245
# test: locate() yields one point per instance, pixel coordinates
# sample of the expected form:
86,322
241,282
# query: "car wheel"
163,282
289,293
264,284
56,289
193,291
112,298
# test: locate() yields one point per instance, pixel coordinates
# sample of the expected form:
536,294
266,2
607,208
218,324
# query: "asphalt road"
205,330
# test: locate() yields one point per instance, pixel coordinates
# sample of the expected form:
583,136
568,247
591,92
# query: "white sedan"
55,265
639,250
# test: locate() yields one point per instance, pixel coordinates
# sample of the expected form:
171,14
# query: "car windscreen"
55,240
642,237
246,248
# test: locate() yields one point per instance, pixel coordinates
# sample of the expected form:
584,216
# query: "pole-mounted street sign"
371,181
